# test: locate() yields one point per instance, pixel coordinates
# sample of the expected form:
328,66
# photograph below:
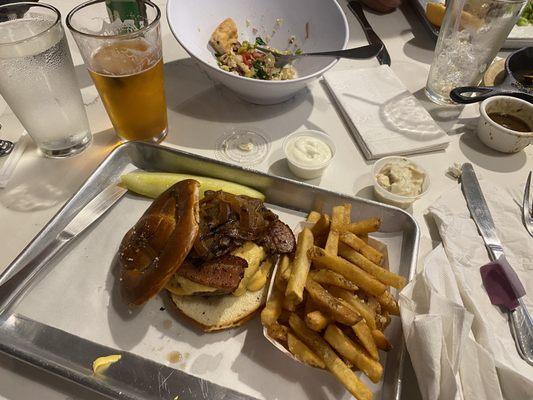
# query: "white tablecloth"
199,112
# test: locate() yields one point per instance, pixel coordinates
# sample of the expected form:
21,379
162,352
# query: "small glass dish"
306,171
394,199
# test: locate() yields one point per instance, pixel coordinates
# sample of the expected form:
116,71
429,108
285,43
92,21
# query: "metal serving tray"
139,377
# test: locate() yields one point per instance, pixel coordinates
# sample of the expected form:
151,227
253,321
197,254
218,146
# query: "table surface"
200,111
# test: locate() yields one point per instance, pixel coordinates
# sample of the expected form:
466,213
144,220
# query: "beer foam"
125,57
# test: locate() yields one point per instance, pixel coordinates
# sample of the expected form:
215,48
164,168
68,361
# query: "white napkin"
460,344
384,118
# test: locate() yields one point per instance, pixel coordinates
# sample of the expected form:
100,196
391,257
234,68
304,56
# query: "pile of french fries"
331,302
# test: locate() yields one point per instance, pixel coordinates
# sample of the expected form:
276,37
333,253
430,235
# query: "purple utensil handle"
502,283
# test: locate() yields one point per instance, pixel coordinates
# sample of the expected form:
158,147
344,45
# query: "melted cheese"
185,287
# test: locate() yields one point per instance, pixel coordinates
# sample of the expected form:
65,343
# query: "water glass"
472,33
124,58
37,78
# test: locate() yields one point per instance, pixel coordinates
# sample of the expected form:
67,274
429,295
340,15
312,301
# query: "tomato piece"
247,58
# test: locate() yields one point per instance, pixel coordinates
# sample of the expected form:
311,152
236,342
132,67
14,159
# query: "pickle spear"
152,184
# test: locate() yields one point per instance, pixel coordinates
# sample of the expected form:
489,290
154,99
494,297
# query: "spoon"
356,53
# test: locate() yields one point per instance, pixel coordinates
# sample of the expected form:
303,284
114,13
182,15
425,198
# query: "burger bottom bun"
213,313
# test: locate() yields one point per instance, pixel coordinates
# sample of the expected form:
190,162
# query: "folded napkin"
384,118
460,344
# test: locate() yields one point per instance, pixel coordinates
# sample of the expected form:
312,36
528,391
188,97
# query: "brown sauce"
174,357
510,122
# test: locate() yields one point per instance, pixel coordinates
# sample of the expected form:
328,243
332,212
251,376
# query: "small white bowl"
394,199
304,171
496,136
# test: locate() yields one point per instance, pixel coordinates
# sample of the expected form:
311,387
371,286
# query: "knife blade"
481,215
501,282
13,284
372,37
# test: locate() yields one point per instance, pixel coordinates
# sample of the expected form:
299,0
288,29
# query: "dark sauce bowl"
496,135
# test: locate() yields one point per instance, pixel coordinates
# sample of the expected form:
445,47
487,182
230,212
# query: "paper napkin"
384,118
460,344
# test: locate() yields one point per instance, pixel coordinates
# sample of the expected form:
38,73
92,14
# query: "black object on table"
357,9
518,66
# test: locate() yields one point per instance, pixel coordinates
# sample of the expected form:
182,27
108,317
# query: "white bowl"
496,136
193,21
394,199
305,171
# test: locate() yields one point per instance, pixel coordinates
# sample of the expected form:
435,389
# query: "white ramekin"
303,171
394,199
496,136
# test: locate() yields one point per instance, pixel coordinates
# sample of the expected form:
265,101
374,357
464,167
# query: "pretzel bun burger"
213,255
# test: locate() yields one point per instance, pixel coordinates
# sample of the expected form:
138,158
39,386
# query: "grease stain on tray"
205,363
174,357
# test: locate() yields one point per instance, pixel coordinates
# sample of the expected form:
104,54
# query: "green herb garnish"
259,41
259,67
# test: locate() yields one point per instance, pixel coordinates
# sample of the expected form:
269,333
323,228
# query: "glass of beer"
120,42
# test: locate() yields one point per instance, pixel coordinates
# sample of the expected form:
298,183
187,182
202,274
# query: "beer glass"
124,59
472,33
37,78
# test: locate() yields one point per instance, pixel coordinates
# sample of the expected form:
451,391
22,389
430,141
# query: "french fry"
316,320
383,320
278,332
283,273
303,353
329,277
366,250
331,305
337,219
333,363
366,312
364,226
322,226
363,237
313,217
347,213
364,334
388,303
273,307
374,304
350,271
381,340
381,274
299,270
353,353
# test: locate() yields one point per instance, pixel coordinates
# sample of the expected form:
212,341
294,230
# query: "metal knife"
12,284
357,9
519,318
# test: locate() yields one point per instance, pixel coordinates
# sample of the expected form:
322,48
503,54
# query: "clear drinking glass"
37,78
472,32
125,61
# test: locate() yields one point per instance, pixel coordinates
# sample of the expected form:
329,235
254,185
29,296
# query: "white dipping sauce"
401,177
308,151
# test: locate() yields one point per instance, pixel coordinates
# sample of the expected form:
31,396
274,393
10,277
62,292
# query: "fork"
527,207
368,51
